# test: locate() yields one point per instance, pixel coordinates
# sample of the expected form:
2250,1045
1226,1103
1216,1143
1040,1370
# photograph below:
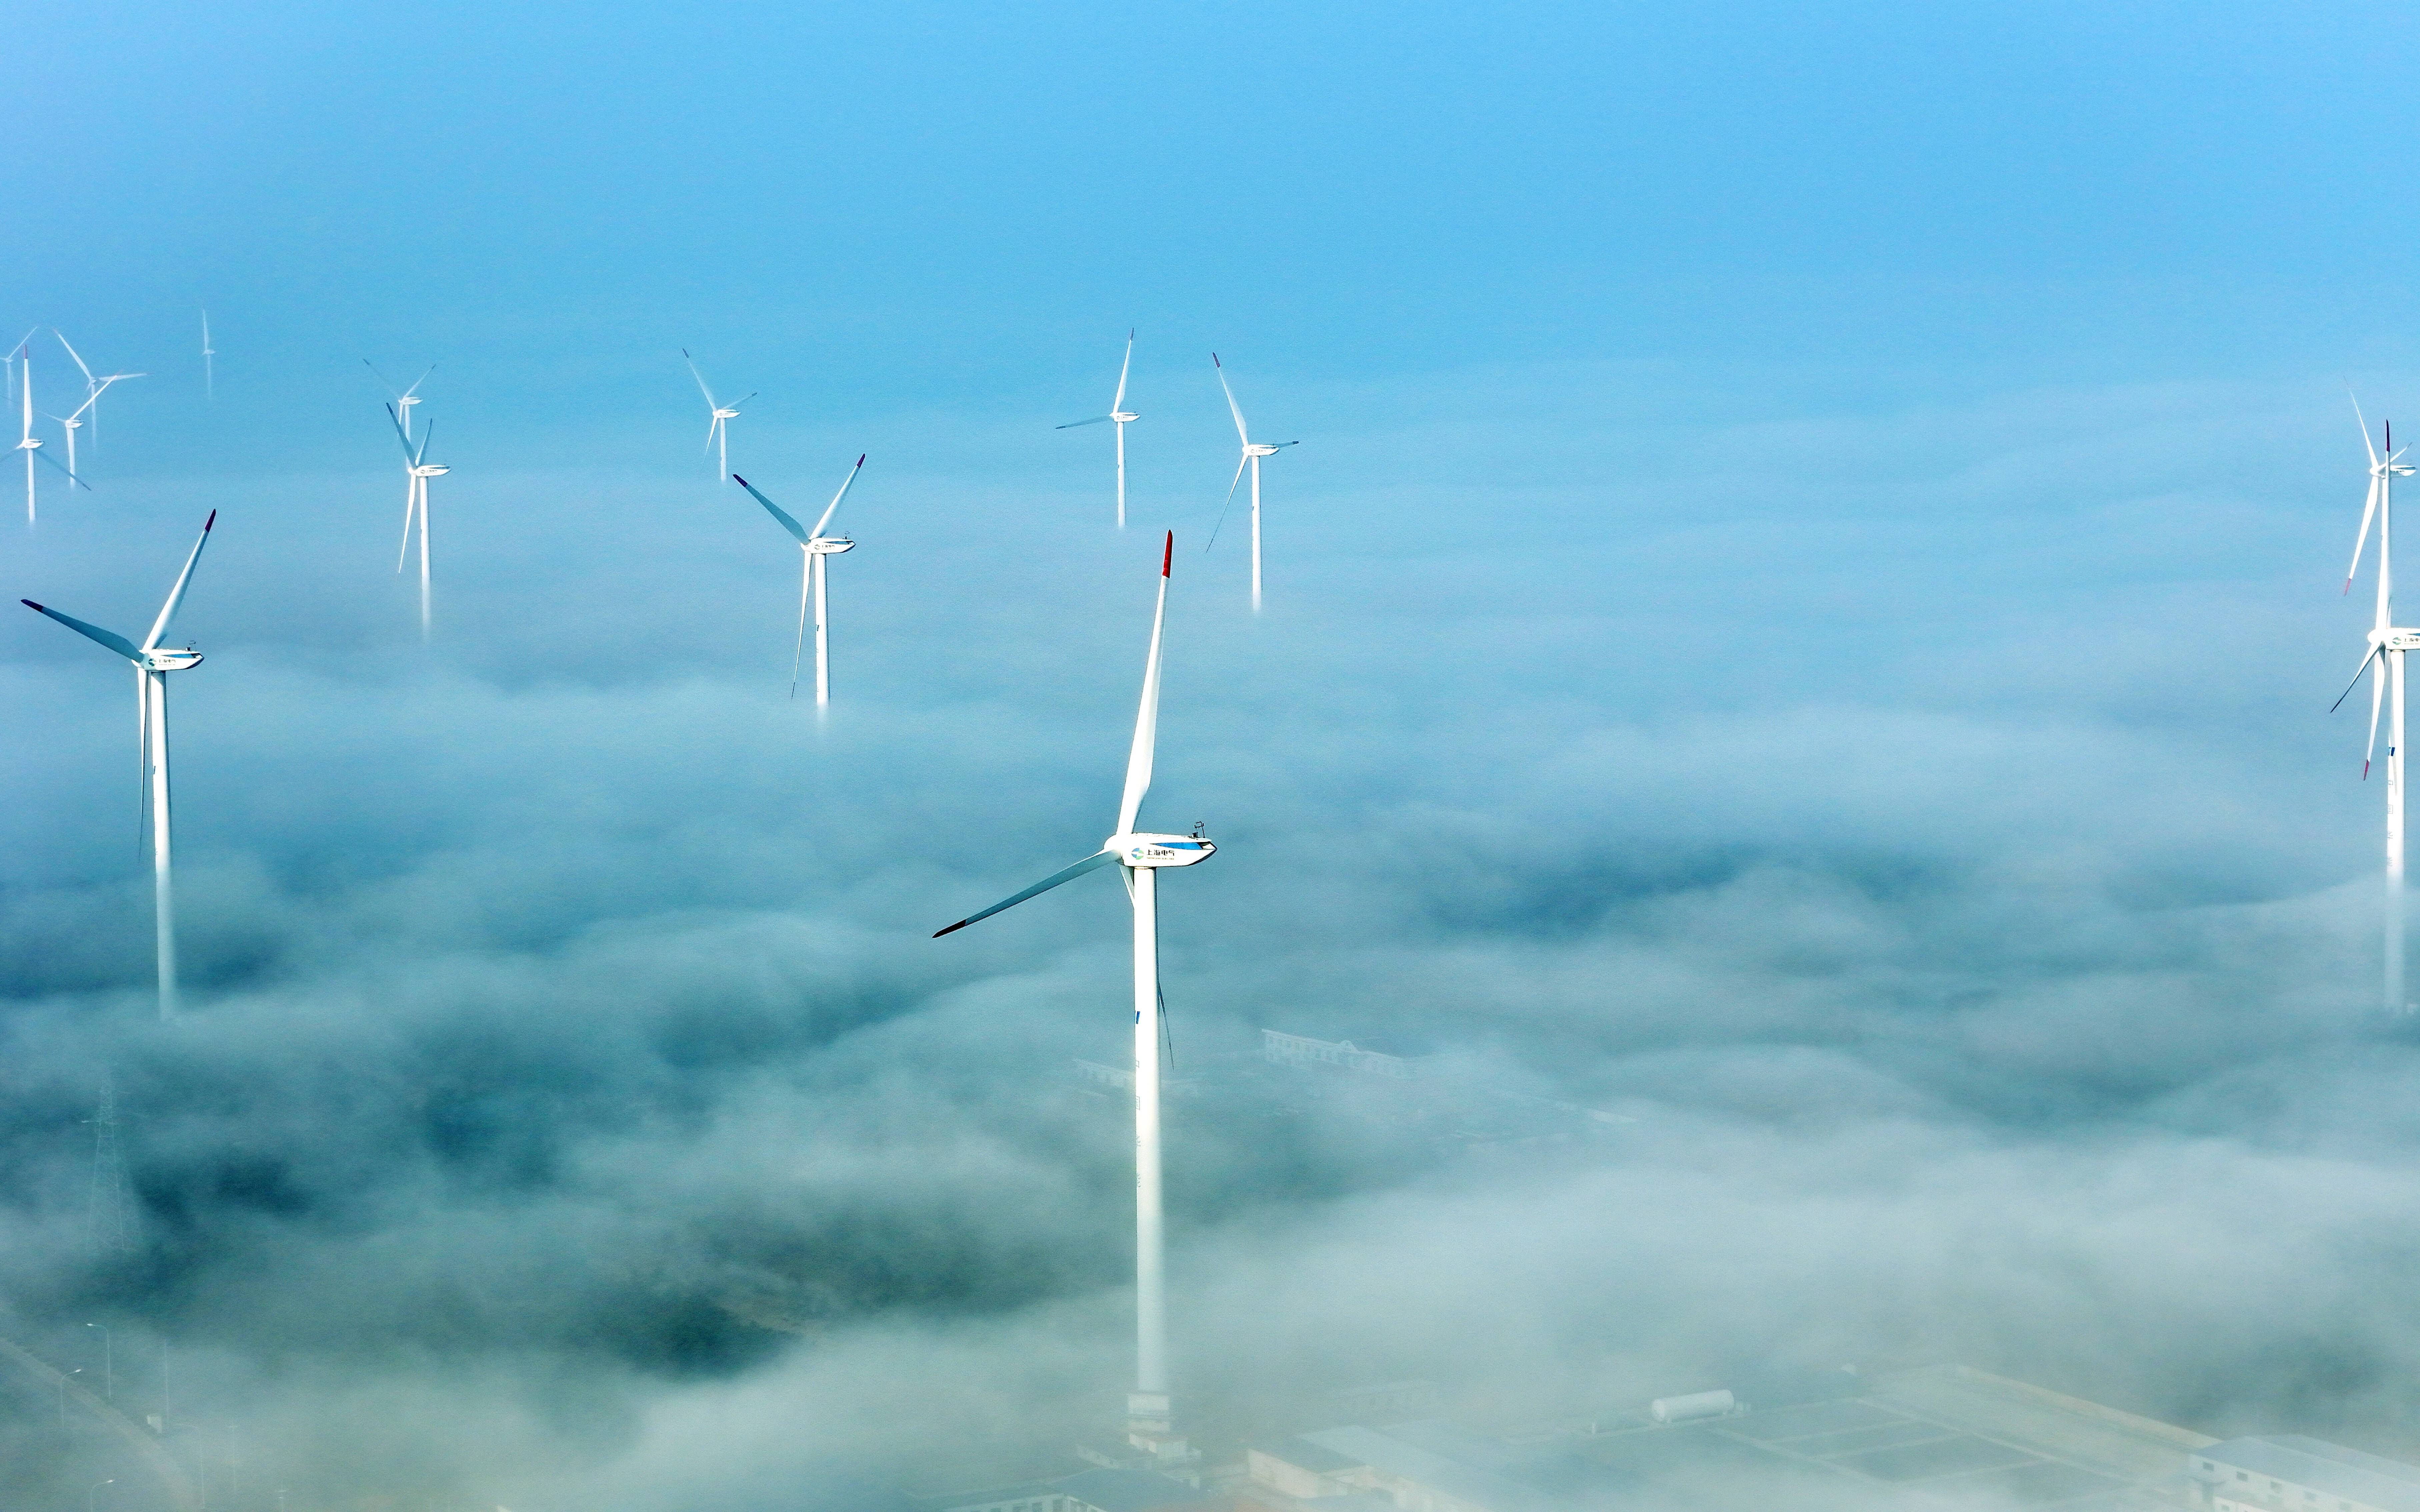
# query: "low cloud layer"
1940,853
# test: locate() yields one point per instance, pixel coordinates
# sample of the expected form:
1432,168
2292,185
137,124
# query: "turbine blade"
409,460
418,381
63,468
1119,402
1240,433
1073,424
2367,511
1241,463
700,379
2364,425
1146,736
2377,693
384,382
91,632
2356,682
806,584
1093,862
71,352
177,595
427,429
845,485
775,510
735,404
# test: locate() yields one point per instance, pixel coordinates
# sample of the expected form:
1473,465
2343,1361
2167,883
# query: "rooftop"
2328,1468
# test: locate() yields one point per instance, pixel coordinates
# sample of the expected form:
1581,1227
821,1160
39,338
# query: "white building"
1300,1050
2292,1473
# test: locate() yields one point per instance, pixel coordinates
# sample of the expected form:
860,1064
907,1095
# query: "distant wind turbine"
16,355
718,428
1254,452
404,398
1122,417
2385,663
815,546
417,470
93,389
153,662
209,380
1149,1414
32,445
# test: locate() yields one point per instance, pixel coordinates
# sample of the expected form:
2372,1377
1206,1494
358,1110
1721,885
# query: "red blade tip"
212,520
1168,554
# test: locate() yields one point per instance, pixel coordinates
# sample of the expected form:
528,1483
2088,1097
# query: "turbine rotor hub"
1141,850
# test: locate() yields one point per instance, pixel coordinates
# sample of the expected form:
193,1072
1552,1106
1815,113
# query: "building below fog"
2292,1473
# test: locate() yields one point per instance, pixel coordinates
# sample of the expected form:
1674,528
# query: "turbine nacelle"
830,546
1125,417
431,470
171,659
1140,850
726,414
2396,638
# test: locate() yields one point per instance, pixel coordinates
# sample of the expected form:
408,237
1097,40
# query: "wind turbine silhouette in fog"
1122,417
2385,663
1150,1421
718,428
209,378
1254,452
815,546
404,398
31,444
416,473
153,662
93,389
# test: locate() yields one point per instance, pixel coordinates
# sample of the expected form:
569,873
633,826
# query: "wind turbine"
32,445
93,389
1254,452
718,432
416,473
209,380
2385,663
1119,413
815,546
153,662
1149,1419
404,398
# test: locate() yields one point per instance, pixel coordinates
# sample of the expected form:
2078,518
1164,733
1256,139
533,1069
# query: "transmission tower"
109,1217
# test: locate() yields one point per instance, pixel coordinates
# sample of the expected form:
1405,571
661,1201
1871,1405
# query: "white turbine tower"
1122,417
209,375
1254,452
93,389
815,546
31,444
718,428
2385,663
417,470
404,398
153,662
1149,1414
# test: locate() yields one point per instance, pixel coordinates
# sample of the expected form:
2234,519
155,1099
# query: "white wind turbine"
31,444
2385,663
417,470
718,428
1254,452
209,377
815,546
1122,417
1149,1418
93,389
153,662
404,398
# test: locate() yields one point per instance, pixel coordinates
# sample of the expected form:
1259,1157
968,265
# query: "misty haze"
1726,880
